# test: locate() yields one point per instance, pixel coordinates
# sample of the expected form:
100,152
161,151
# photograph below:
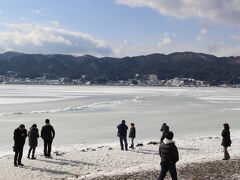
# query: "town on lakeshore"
146,80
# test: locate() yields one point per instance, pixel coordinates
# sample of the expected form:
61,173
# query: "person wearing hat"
19,137
169,157
33,140
122,134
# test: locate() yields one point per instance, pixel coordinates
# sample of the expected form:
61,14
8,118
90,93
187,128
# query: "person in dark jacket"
169,156
226,140
122,134
19,137
164,129
47,134
132,135
33,140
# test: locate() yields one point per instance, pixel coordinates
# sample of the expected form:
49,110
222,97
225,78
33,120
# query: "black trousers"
18,155
47,147
33,151
123,139
165,167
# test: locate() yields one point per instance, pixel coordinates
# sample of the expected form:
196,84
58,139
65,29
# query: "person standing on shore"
19,137
47,134
122,134
226,140
33,136
132,135
169,157
164,129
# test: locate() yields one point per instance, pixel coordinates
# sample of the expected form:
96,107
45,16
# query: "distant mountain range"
180,64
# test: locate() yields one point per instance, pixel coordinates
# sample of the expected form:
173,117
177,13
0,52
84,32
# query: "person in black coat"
47,134
164,129
132,135
226,140
169,157
19,137
33,140
122,134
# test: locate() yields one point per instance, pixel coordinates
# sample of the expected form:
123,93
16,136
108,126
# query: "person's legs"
49,148
173,171
15,157
29,152
226,154
163,172
20,156
132,143
33,152
125,142
121,142
131,146
45,148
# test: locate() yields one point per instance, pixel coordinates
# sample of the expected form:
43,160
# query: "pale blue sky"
120,27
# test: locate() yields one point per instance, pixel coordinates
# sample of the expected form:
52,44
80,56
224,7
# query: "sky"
120,28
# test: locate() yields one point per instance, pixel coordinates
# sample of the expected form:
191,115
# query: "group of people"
167,149
122,134
19,137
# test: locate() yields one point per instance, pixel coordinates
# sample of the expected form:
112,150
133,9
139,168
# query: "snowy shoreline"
91,162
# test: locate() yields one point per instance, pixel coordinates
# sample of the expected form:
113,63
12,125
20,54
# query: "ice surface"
91,114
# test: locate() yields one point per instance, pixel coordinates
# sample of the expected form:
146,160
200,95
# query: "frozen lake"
89,115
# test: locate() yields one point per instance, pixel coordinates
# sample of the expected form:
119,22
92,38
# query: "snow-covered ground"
84,162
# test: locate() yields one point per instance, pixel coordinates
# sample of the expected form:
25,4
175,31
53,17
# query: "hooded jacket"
168,152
